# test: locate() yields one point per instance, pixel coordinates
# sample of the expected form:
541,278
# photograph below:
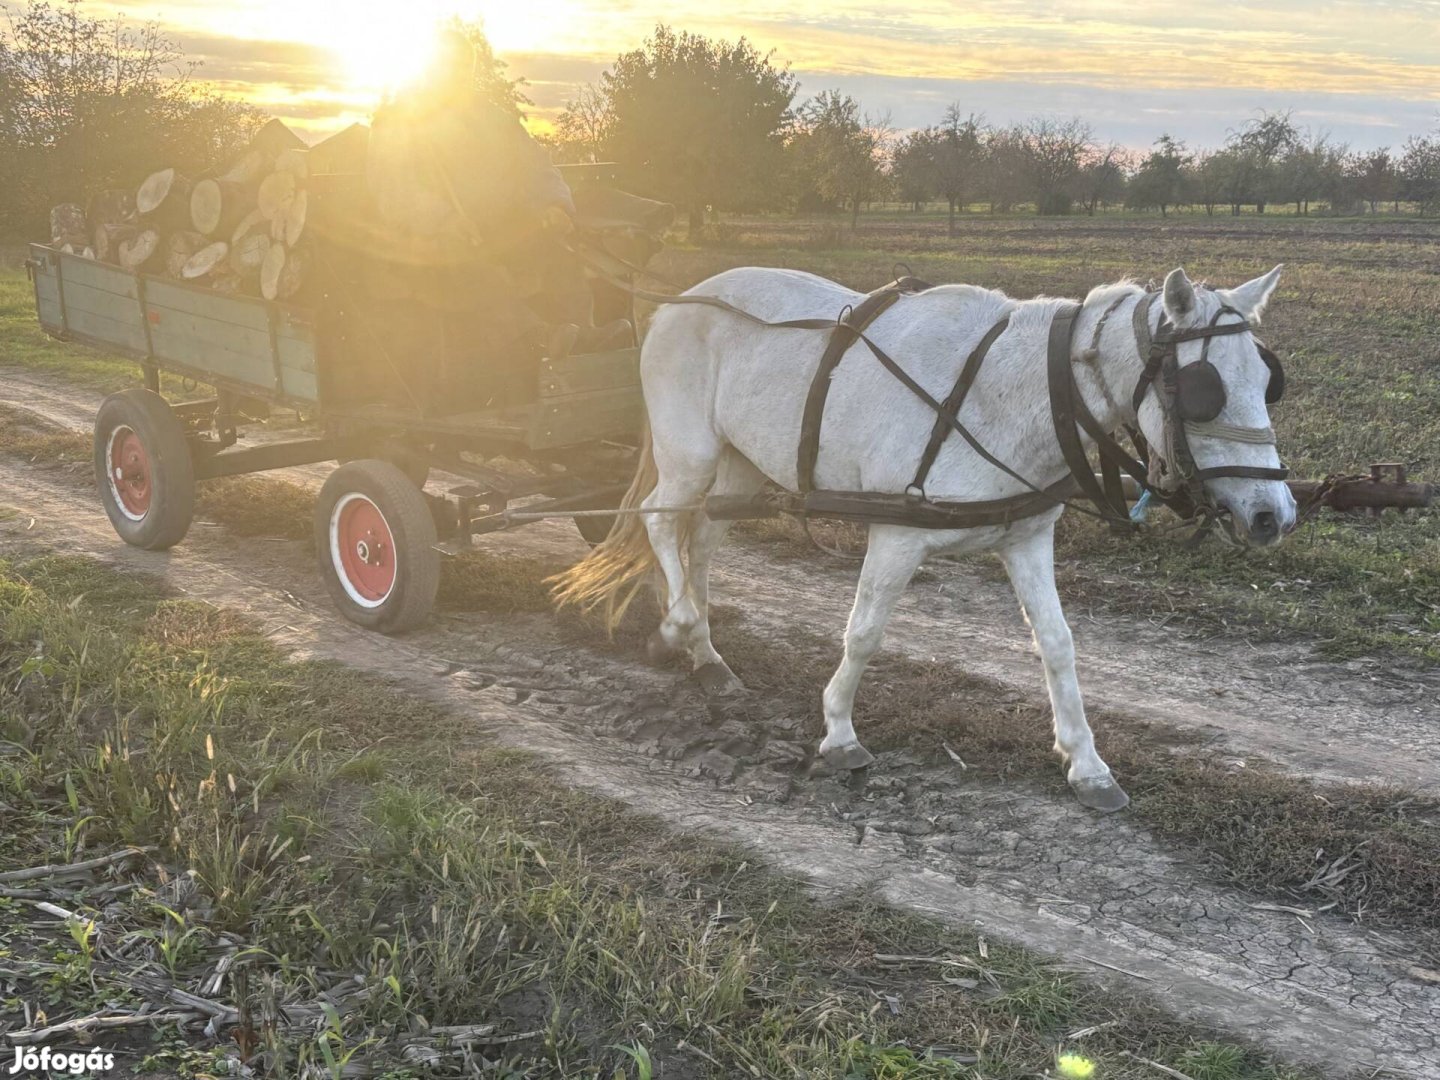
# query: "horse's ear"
1250,299
1180,302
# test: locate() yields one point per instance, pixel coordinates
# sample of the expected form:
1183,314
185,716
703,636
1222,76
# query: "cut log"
254,221
294,161
343,152
164,199
178,249
295,218
225,280
113,207
292,275
277,192
217,206
248,168
204,261
108,239
137,251
272,270
247,256
67,226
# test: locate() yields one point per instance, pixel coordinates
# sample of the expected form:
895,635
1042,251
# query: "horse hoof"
718,680
851,757
658,650
1101,793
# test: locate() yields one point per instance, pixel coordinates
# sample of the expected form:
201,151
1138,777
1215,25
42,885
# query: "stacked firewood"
238,229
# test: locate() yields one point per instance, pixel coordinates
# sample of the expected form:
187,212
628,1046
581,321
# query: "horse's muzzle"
1264,529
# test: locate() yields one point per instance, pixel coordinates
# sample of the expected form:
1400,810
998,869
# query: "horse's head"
1216,426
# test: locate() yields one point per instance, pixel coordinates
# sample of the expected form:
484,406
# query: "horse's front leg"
1030,563
890,562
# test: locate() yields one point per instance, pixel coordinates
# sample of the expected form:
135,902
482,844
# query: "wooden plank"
204,304
296,355
221,349
299,385
590,371
110,305
96,275
47,302
585,417
122,334
207,333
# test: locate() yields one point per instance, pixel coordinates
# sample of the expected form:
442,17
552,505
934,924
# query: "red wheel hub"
364,548
130,472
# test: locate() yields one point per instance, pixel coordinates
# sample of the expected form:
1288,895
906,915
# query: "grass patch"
24,344
432,881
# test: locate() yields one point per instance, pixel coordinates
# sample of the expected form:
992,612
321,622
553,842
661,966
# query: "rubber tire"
406,460
417,562
172,470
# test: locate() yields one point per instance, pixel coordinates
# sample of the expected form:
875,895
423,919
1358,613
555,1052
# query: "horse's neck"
1108,381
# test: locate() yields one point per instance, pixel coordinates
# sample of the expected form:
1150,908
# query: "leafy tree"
912,167
1207,178
490,77
1374,177
1161,178
1005,168
700,122
87,104
1420,171
841,151
959,158
1262,142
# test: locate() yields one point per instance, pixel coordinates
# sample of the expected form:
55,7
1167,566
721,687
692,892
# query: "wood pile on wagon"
240,228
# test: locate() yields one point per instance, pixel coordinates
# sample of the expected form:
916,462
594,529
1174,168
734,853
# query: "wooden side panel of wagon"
235,343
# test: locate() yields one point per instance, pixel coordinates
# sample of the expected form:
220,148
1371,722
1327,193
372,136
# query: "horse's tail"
609,577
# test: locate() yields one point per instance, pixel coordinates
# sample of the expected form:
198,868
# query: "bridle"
1191,398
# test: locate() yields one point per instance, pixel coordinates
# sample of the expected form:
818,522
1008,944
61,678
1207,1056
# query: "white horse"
725,398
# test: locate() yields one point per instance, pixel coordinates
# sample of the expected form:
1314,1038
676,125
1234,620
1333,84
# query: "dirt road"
1021,863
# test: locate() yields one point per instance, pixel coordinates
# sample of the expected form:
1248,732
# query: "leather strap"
848,330
950,409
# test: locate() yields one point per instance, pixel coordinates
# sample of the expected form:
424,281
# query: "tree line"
716,125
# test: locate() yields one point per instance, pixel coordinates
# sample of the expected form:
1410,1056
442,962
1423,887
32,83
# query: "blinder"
1199,391
1275,388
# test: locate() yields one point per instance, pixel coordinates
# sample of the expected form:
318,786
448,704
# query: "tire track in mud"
1017,862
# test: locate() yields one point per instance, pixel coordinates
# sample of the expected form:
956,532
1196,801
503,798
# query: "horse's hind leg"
1030,562
890,562
735,476
685,471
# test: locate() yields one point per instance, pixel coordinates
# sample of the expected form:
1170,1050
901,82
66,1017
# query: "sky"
1366,72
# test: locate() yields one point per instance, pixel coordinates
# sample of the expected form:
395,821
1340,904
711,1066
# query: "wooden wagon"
341,362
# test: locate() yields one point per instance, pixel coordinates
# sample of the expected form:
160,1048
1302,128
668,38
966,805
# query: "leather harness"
1171,476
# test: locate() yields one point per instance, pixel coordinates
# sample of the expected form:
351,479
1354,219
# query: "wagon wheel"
408,461
144,470
375,539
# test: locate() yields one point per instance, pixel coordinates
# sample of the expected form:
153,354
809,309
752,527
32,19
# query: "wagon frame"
572,447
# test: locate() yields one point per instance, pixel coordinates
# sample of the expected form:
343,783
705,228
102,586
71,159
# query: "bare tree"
583,129
1054,152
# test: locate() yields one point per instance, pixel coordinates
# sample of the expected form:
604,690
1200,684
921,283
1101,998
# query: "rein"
1069,414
